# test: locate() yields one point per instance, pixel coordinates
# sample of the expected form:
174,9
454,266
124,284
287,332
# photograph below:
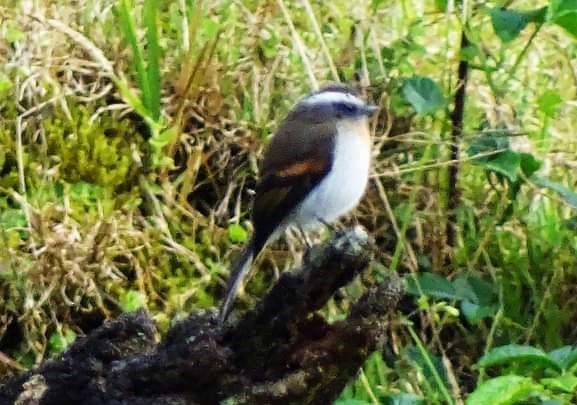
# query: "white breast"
341,190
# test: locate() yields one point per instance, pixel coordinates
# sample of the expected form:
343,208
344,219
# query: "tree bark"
281,352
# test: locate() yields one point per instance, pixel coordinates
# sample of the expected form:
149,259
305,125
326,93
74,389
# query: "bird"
314,170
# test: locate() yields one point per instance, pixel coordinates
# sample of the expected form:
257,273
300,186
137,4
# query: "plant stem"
456,135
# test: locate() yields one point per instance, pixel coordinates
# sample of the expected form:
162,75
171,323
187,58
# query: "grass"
129,144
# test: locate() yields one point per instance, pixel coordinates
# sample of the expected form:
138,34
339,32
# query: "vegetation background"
130,133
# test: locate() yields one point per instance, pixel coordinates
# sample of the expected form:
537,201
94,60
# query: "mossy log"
281,352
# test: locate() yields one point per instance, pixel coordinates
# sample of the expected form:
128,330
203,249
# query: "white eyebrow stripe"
333,97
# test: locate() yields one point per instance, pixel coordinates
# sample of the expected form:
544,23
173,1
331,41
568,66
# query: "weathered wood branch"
281,352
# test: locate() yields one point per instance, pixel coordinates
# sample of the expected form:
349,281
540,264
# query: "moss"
100,153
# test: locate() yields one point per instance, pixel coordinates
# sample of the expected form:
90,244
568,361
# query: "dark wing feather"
298,157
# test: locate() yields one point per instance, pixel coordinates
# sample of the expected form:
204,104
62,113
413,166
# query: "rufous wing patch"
305,167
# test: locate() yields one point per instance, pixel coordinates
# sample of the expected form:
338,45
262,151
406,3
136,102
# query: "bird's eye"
346,108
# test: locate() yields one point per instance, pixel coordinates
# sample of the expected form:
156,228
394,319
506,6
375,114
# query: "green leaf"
59,342
432,285
237,234
506,163
515,353
128,28
502,390
565,356
487,143
549,102
163,138
132,300
566,382
475,312
481,297
564,14
476,289
528,164
423,94
508,24
537,16
153,58
568,195
351,402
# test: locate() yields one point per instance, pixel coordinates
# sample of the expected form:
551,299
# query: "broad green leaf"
487,143
423,94
564,14
432,285
515,353
475,289
132,300
237,234
508,24
566,382
476,312
549,102
528,164
506,163
568,195
351,402
502,390
481,297
537,16
565,356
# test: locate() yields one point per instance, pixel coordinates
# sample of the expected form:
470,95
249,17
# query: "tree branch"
280,352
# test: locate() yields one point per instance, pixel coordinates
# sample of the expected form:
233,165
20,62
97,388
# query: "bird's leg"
331,227
305,237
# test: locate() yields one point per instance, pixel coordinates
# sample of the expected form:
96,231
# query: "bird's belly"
342,188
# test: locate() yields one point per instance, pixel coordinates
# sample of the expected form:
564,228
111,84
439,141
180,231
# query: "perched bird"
315,169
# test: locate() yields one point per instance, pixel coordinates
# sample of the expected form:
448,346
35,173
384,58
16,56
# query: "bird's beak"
370,109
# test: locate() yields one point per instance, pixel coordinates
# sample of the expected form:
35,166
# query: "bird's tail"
238,274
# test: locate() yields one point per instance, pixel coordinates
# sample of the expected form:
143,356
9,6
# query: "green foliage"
508,24
564,13
549,102
503,390
528,372
146,68
132,300
237,234
489,308
424,95
59,341
477,297
98,154
517,353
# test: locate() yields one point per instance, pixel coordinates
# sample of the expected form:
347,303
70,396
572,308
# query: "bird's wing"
297,159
